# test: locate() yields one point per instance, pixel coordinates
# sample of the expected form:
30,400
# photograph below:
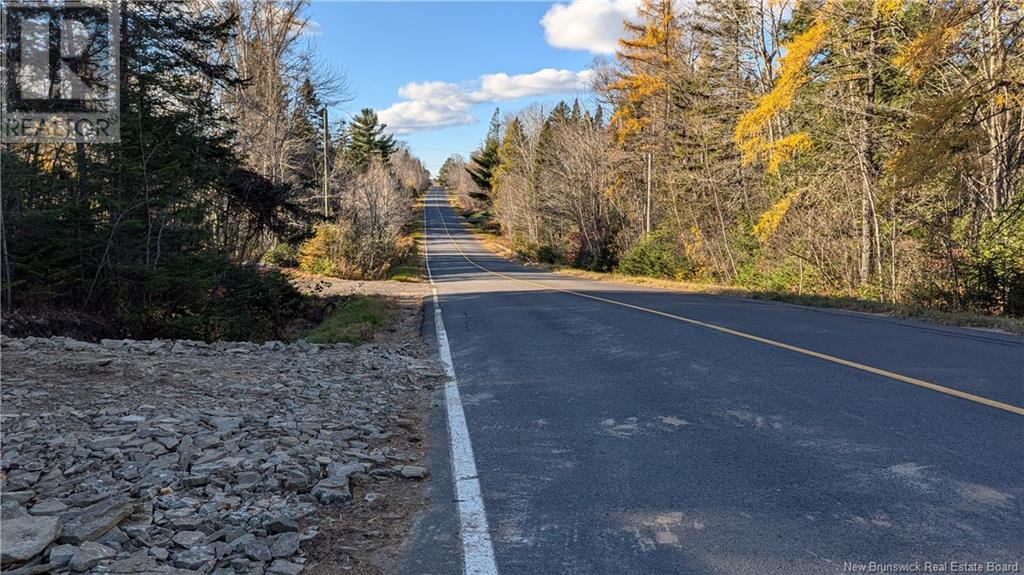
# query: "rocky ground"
182,457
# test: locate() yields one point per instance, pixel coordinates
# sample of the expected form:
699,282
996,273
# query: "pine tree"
512,192
144,230
367,139
486,160
306,162
561,114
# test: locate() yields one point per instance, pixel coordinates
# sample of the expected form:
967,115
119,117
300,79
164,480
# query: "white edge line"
477,550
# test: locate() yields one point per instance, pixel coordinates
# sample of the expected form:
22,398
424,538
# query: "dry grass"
502,247
959,319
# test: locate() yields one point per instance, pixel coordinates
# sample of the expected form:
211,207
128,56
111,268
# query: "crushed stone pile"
184,457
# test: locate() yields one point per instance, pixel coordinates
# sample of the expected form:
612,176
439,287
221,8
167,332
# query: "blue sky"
435,71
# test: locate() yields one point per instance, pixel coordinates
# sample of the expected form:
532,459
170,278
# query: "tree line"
225,160
866,148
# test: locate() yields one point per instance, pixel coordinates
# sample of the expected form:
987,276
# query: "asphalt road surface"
622,439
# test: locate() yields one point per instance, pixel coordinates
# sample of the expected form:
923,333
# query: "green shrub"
772,276
322,254
995,269
546,254
282,255
657,256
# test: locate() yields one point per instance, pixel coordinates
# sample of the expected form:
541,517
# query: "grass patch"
405,273
356,320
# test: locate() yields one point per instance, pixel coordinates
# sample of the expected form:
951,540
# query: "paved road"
609,439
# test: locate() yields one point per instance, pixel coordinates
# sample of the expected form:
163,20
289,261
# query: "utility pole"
647,210
326,160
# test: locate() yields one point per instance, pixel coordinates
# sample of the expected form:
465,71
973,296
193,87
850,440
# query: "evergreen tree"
306,160
149,231
486,160
367,139
444,175
560,114
648,60
510,160
547,151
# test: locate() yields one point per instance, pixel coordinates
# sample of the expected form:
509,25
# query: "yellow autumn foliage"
752,125
696,245
772,218
653,35
640,86
929,48
646,53
1008,99
786,149
888,8
628,125
635,90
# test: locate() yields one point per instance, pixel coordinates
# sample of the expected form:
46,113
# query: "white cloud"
433,105
591,25
495,87
420,115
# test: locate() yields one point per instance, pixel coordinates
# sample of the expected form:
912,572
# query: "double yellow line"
823,356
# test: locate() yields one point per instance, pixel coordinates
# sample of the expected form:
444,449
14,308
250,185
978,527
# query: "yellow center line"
824,356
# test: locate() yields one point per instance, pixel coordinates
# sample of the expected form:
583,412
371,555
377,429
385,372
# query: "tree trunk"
869,170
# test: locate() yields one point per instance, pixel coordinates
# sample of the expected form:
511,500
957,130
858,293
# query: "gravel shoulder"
185,457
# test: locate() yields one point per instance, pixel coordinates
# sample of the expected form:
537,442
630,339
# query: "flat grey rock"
92,522
332,491
189,538
414,471
285,545
196,558
60,555
89,555
27,536
257,551
48,507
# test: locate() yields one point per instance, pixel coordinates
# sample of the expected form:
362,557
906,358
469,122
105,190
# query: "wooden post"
326,162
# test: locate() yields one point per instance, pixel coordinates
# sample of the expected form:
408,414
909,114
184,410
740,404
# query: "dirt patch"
368,538
327,286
